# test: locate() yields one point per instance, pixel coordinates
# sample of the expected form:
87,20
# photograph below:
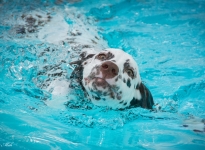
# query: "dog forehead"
116,52
120,55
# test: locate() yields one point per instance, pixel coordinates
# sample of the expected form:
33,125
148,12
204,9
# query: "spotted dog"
111,78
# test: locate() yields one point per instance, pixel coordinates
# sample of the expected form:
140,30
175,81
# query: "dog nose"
109,70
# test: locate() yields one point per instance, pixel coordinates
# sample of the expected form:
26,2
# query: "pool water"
38,39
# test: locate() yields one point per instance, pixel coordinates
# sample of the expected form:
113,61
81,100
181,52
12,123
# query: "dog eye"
102,56
130,72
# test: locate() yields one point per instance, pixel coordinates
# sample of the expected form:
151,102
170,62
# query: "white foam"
55,31
60,89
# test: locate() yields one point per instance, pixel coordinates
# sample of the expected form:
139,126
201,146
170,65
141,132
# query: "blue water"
38,39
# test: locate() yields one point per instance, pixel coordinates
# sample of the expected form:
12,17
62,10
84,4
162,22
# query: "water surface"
38,39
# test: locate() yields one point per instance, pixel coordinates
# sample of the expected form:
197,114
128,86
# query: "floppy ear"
78,71
146,100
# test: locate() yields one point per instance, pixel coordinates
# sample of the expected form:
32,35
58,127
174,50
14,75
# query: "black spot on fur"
121,102
94,86
146,100
196,130
97,69
110,55
112,95
135,102
105,93
125,103
126,67
97,98
21,30
39,16
137,87
124,80
30,20
128,83
119,96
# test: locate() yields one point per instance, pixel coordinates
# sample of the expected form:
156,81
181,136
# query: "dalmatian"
111,78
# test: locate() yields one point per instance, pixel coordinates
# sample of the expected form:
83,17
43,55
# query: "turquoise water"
39,39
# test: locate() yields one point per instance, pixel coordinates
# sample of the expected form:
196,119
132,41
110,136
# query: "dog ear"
78,71
146,100
83,57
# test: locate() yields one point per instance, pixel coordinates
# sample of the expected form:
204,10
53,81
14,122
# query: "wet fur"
146,100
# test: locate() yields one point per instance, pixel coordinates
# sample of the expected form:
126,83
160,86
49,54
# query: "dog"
111,78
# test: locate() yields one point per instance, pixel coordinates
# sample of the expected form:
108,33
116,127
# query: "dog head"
111,78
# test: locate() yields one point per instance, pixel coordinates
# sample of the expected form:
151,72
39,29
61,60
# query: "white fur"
128,93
